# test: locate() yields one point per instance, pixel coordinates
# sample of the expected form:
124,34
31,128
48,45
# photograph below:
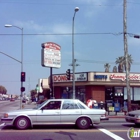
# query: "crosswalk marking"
111,134
2,125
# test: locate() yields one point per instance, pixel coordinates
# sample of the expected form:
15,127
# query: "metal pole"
9,25
51,84
126,57
21,65
73,59
73,62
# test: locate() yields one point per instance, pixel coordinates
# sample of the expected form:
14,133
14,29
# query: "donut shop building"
99,86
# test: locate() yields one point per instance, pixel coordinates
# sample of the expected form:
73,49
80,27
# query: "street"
114,128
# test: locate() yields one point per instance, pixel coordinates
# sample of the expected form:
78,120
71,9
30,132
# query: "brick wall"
96,92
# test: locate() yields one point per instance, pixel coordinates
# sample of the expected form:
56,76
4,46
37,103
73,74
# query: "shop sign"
122,77
63,78
100,77
81,77
51,55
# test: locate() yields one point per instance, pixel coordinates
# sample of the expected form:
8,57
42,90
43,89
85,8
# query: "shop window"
109,94
136,93
67,93
118,92
125,93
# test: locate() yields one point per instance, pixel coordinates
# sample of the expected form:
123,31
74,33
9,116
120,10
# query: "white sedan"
133,116
54,111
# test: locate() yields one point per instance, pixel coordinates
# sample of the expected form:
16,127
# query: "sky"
98,39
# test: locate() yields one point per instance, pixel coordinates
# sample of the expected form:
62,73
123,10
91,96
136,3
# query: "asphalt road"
115,128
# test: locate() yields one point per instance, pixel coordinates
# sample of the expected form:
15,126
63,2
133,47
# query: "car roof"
63,99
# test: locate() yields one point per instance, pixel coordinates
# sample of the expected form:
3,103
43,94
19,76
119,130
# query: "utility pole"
126,54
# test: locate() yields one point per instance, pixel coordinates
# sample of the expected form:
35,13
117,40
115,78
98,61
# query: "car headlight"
137,116
5,115
127,114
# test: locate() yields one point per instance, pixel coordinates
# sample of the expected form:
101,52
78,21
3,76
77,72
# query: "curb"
116,116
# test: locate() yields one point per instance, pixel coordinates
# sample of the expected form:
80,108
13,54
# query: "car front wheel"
22,123
83,123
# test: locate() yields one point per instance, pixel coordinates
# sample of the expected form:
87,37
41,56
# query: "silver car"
54,111
133,116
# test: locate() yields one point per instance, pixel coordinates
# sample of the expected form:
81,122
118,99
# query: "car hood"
22,111
134,112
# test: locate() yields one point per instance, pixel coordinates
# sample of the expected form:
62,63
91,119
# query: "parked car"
133,116
54,111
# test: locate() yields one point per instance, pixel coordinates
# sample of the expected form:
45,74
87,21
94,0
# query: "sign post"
51,57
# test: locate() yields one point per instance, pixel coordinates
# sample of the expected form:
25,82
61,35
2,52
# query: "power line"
107,33
36,62
102,62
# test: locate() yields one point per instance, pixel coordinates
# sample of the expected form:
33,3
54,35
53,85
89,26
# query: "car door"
69,112
50,113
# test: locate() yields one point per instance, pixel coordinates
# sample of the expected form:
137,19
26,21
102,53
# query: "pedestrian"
89,102
125,107
94,104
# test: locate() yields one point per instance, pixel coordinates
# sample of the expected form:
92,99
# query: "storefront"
100,86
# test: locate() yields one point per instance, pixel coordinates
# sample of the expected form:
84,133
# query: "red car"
12,99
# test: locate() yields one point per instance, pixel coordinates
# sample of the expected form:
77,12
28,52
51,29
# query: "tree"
106,66
115,69
3,90
122,63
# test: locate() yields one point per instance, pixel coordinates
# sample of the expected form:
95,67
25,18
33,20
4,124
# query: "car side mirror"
42,108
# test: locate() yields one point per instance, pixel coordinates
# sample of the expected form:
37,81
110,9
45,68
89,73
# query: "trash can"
117,107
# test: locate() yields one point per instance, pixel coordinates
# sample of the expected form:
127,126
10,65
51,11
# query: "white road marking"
2,124
114,136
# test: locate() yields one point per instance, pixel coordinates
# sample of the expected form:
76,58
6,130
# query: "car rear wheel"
22,123
83,123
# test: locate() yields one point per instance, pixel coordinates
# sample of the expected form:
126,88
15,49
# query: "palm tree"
106,66
130,61
115,69
122,63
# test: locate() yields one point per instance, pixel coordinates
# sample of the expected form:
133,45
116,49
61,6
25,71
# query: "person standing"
89,102
125,107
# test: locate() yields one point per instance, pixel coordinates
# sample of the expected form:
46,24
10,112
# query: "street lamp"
73,59
9,25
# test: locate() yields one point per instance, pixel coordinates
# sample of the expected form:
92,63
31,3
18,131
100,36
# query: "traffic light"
22,89
22,76
68,74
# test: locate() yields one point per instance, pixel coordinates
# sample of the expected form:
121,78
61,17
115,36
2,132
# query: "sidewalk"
115,115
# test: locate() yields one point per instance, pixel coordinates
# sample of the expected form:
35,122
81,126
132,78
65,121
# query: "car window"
69,105
52,105
81,106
